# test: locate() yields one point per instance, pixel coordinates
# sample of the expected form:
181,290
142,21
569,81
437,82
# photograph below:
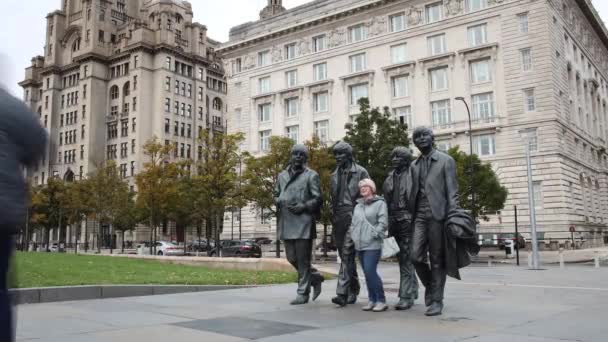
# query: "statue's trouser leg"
428,238
402,230
299,254
348,279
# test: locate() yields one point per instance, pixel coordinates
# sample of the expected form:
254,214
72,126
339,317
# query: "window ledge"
286,90
437,57
399,65
490,46
318,83
259,96
357,74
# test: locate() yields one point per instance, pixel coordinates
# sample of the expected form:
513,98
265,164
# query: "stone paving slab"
490,304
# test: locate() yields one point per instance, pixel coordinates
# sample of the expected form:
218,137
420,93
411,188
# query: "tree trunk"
123,242
217,234
86,234
324,240
151,235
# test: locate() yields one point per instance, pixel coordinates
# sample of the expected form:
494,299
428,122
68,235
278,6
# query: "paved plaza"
501,303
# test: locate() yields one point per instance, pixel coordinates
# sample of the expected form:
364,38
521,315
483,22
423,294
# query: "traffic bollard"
597,259
530,259
561,258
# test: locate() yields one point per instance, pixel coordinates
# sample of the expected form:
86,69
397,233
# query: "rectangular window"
167,126
290,51
475,5
358,92
523,22
483,107
397,22
480,71
189,92
477,35
526,59
531,136
439,79
436,44
177,87
176,108
291,78
357,33
400,86
167,83
320,71
291,132
264,85
189,111
404,115
319,43
264,58
264,112
441,114
200,93
321,101
399,53
133,146
168,63
265,140
291,107
183,106
358,62
485,145
433,12
529,100
322,130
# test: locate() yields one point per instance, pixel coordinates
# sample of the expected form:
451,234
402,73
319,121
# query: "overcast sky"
22,28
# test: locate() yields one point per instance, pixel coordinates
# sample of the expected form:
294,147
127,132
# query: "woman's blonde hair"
368,182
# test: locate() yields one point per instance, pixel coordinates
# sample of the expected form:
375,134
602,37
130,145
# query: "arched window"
126,89
114,92
76,45
217,104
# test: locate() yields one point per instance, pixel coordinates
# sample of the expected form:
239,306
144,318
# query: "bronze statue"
433,197
397,188
297,196
344,194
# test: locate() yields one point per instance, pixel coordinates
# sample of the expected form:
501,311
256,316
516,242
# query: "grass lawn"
57,269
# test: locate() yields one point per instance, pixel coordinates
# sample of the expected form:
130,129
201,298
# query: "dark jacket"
356,174
460,241
441,185
404,190
304,187
22,144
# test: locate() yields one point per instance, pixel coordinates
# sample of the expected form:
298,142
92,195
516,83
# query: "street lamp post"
532,204
472,187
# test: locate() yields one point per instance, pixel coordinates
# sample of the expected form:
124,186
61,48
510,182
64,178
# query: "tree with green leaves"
490,195
321,160
77,207
217,175
157,186
47,205
261,175
126,216
373,136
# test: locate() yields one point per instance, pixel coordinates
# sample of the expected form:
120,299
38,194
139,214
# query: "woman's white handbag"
390,248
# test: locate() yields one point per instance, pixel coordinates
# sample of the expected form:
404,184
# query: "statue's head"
343,152
423,138
299,156
401,157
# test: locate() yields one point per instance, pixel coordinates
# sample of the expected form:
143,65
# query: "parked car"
239,249
520,242
54,247
198,246
263,241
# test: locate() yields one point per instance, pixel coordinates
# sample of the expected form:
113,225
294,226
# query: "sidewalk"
495,304
546,257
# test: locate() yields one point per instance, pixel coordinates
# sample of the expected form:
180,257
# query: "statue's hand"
297,208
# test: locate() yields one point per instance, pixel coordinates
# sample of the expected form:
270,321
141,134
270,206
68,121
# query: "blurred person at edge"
22,144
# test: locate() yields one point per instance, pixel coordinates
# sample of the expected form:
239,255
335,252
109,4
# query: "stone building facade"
533,71
115,74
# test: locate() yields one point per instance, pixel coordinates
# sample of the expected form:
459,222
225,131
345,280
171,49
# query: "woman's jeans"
369,262
6,319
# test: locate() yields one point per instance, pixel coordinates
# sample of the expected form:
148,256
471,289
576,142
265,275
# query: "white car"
169,249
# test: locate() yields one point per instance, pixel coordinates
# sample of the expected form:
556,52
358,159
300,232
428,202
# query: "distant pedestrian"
367,231
22,144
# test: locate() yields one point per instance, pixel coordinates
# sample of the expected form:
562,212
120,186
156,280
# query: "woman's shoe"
379,307
369,306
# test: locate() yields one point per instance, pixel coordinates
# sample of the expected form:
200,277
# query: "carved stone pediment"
358,77
263,98
437,61
478,52
317,87
291,92
399,69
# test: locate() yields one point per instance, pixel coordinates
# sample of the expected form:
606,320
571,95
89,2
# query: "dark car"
238,249
520,242
198,246
263,241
